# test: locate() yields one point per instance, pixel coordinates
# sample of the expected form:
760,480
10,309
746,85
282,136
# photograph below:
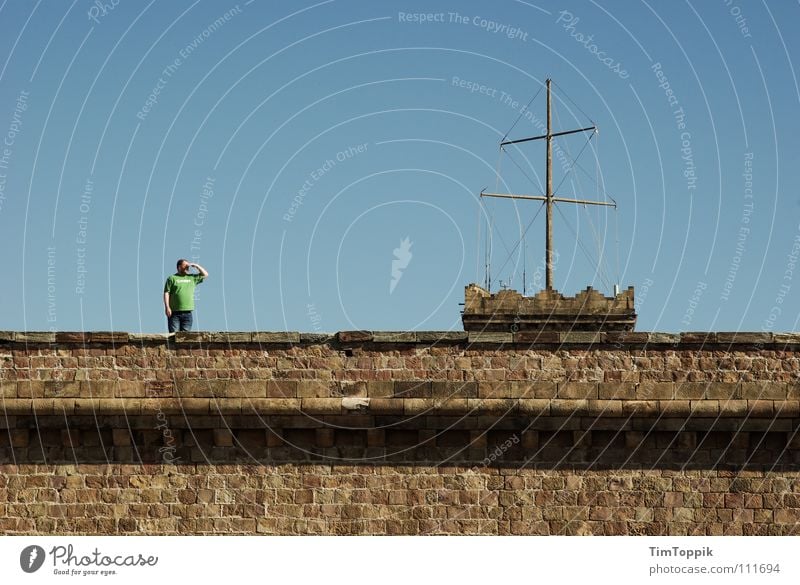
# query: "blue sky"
291,148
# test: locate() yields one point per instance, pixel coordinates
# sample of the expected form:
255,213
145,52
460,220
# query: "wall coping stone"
616,340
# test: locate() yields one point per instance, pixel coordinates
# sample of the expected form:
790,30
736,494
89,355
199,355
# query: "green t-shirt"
181,291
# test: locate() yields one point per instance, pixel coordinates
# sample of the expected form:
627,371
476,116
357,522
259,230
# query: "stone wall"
399,433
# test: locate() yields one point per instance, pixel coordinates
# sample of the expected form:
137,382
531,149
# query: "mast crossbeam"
544,198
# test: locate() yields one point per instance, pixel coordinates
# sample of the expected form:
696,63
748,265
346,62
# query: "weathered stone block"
721,390
281,389
191,337
354,336
490,337
72,337
580,390
142,338
641,408
276,337
60,389
690,390
380,388
675,408
321,406
560,407
582,337
663,338
627,337
543,389
386,405
316,338
606,408
443,337
698,338
784,339
733,408
531,337
655,390
313,389
413,389
494,390
763,390
744,338
230,337
454,389
705,408
8,389
616,391
113,337
35,337
761,408
394,337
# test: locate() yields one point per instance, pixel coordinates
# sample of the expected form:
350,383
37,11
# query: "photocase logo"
402,258
31,558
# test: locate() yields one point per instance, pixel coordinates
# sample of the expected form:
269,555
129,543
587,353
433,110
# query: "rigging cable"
561,90
601,269
521,112
521,170
578,241
523,235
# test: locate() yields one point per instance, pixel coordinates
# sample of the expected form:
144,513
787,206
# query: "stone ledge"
742,410
618,340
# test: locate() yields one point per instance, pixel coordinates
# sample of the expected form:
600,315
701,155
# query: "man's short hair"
180,261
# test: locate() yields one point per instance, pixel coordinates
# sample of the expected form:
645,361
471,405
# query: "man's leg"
173,323
186,321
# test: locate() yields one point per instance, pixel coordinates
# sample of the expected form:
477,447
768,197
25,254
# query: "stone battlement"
547,310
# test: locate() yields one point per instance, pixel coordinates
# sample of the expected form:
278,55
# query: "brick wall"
399,433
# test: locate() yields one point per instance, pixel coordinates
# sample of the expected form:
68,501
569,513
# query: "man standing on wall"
179,295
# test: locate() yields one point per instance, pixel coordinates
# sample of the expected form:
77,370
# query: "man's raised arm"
203,272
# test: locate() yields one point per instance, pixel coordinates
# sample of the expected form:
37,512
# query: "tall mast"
549,198
549,195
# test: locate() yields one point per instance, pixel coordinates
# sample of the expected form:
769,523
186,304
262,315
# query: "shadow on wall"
135,440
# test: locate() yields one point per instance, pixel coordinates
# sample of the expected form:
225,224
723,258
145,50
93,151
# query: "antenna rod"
549,196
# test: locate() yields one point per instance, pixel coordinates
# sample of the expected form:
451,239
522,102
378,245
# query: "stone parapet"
618,339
